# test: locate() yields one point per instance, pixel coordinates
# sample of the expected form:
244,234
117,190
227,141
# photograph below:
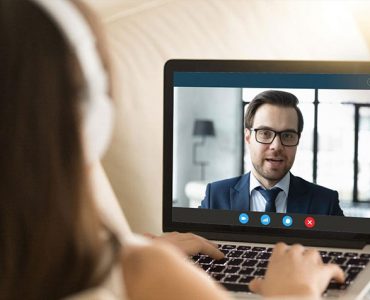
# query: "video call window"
209,142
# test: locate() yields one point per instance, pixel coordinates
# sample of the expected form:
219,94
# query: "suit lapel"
298,197
239,194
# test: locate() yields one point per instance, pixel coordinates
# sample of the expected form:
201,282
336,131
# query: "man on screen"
273,126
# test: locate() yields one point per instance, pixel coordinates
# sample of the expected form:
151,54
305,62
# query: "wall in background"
223,152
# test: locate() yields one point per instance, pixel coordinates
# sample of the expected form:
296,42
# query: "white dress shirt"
258,202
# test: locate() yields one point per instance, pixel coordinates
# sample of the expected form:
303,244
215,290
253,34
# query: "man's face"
272,161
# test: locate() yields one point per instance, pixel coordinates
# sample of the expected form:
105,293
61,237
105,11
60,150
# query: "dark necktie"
270,196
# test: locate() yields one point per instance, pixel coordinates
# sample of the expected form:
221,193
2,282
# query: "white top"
258,202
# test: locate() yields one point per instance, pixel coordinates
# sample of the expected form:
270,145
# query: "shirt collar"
283,183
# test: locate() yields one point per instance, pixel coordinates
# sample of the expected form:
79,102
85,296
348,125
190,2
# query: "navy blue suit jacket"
303,197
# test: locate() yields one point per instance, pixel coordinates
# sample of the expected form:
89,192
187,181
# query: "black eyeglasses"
267,136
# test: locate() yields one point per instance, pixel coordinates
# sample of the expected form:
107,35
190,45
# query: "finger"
213,244
210,250
190,237
279,249
313,254
297,249
193,244
255,285
335,272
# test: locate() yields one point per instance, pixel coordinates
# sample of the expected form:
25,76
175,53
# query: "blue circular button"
287,221
265,220
243,218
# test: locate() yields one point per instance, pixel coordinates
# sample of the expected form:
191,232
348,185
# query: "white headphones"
96,104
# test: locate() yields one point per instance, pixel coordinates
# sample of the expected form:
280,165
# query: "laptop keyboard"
243,263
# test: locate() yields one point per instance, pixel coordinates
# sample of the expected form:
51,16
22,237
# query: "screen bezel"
180,65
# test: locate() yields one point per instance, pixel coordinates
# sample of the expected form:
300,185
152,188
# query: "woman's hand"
296,271
189,243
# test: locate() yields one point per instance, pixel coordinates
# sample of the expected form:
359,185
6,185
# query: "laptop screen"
218,159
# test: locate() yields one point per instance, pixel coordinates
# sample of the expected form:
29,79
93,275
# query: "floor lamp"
202,128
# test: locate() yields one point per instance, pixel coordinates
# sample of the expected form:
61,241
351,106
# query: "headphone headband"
96,109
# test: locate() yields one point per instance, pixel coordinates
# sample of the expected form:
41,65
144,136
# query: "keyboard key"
225,251
269,249
337,286
228,247
217,276
205,260
231,278
216,269
352,273
262,264
221,261
243,248
250,262
336,253
260,272
263,255
357,262
365,255
249,254
246,270
350,254
235,262
259,249
354,270
231,270
235,253
236,287
205,267
323,253
245,279
326,259
339,260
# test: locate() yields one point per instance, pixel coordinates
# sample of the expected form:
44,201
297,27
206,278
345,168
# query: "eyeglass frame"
275,134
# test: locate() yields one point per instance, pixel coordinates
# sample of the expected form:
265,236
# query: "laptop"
204,106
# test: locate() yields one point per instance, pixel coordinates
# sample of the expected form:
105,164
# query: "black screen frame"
239,232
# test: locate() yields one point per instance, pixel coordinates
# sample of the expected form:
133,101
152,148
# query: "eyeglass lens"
266,136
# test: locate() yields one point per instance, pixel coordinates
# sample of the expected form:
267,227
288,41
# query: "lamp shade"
203,128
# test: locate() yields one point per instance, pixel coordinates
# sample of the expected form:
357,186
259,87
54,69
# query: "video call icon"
243,218
265,220
287,221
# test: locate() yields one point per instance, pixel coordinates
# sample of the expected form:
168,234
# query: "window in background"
343,116
363,179
335,148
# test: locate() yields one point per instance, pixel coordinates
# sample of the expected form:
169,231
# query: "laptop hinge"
324,242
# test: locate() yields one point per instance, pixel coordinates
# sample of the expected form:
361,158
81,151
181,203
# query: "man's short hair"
279,98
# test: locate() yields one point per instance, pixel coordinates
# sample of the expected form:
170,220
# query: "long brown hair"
50,231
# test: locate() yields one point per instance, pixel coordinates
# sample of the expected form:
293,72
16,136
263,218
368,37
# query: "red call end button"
309,222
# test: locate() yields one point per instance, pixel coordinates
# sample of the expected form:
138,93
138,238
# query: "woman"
55,122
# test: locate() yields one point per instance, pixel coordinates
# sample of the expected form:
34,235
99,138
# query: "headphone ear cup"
96,106
97,126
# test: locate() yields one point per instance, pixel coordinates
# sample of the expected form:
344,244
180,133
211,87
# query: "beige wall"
144,34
